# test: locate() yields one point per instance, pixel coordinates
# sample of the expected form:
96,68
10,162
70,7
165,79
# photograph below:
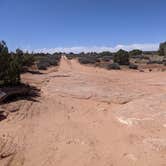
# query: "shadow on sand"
22,91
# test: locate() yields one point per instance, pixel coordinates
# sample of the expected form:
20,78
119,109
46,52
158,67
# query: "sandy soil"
87,116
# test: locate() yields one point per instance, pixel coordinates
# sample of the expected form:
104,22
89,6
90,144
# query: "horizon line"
98,49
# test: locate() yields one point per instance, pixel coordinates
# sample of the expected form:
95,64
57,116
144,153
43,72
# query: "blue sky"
82,25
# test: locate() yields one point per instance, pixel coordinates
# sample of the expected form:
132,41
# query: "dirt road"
88,116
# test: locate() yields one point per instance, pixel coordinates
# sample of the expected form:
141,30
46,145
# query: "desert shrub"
44,61
135,53
114,66
106,58
133,66
162,49
24,59
42,65
14,72
28,59
164,61
105,53
88,60
52,60
9,67
121,57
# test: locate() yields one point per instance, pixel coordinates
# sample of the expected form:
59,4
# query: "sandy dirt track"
88,116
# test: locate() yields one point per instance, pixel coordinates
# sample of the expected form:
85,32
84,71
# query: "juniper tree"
121,57
162,49
9,67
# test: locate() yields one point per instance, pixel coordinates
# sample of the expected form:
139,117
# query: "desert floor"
87,116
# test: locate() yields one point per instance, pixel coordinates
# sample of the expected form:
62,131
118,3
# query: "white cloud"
144,47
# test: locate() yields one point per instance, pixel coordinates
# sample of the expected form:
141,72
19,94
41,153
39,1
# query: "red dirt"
88,116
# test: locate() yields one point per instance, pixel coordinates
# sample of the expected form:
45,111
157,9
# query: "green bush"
45,61
9,67
42,65
121,57
162,49
135,53
88,60
113,66
105,53
24,59
28,60
107,58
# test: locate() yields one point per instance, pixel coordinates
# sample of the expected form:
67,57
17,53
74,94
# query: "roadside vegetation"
10,67
12,64
123,59
162,49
